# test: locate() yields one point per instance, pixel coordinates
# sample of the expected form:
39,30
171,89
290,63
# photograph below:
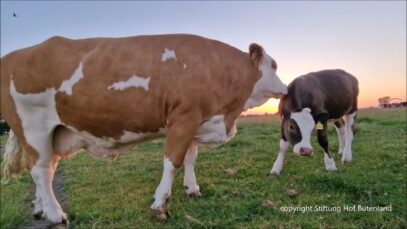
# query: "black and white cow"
313,100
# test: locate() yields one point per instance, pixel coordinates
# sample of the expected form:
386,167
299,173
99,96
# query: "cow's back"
328,91
202,74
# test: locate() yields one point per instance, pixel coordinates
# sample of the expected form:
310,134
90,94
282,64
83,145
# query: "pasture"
118,194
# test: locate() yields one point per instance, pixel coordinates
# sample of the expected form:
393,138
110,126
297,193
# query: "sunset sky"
367,39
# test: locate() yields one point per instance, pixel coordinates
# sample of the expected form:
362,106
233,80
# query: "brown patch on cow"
231,171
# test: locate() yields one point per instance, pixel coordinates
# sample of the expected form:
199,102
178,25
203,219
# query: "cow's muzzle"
305,151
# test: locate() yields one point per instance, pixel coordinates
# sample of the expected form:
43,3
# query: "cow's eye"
291,127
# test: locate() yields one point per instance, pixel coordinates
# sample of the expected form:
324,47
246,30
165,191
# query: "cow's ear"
256,53
321,117
284,114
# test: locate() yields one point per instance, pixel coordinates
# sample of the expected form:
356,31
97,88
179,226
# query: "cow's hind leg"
37,205
323,142
340,130
347,151
37,202
43,173
179,137
190,184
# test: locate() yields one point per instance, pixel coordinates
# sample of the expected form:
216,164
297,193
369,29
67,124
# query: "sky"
366,38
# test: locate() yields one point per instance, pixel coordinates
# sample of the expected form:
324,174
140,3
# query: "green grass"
118,194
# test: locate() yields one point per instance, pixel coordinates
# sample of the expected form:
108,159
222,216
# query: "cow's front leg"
179,137
45,202
278,164
190,184
323,142
164,190
347,151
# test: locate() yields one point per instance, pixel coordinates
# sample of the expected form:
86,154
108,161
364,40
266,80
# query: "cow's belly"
67,141
212,133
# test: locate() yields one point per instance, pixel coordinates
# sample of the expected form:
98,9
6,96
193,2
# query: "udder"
212,133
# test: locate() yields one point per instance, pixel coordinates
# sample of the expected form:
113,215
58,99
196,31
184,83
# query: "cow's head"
269,85
297,129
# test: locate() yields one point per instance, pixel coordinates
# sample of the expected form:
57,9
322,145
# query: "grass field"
118,194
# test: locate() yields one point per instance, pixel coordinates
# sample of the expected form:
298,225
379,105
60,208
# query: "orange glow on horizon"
366,99
270,107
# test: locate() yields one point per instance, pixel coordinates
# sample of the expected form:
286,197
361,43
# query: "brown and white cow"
108,94
313,100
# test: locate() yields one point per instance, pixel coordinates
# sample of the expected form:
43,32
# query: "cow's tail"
15,159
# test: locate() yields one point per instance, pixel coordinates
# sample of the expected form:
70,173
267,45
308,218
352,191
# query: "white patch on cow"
212,133
278,164
347,151
185,66
132,137
306,124
167,55
134,81
164,188
67,85
38,116
189,167
268,86
329,163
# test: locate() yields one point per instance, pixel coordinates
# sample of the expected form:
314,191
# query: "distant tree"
4,128
383,101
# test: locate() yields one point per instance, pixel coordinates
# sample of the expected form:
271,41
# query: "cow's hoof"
345,162
63,225
161,214
55,217
274,173
330,165
192,192
38,215
334,169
